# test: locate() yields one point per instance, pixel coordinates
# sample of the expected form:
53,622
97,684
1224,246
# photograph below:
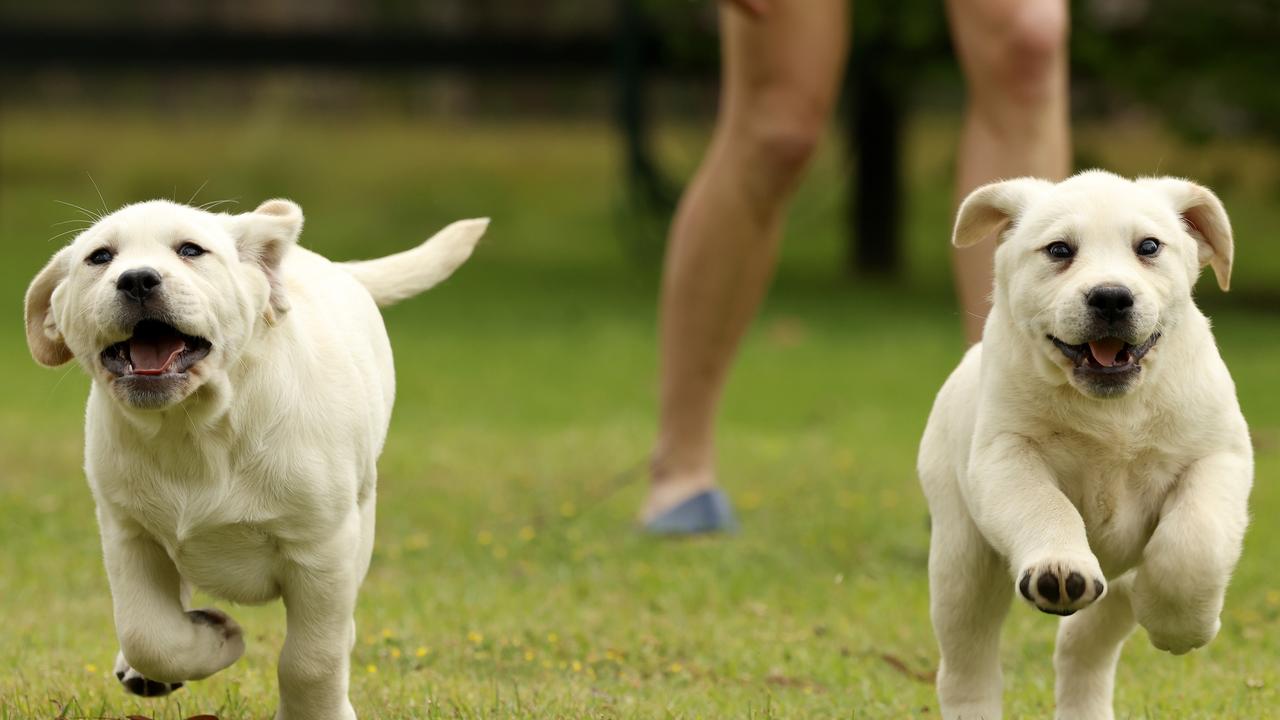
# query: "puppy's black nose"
138,284
1111,302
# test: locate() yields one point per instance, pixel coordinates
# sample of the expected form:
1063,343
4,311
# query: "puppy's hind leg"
319,599
969,596
368,520
1087,651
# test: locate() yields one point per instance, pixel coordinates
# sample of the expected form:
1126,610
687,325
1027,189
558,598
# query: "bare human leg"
780,78
1014,57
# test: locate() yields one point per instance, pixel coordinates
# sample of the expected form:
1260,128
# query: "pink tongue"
153,356
1106,350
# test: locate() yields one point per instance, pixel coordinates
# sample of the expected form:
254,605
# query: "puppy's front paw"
1181,641
1174,627
136,684
1061,586
226,631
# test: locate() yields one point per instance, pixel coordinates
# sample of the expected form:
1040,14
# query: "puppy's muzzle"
1113,346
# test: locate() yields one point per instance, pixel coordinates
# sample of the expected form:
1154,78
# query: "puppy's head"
1094,270
156,298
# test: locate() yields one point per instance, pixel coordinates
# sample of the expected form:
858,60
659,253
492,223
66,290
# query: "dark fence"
632,51
1121,53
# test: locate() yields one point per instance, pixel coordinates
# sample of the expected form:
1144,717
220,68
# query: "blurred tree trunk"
873,126
633,43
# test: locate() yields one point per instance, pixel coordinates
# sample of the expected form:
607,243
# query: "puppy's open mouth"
1106,355
156,349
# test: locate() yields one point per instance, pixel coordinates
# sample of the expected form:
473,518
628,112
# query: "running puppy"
242,388
1089,455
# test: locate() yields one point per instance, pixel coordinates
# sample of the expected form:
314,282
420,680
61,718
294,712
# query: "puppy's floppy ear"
989,209
1205,221
43,336
262,238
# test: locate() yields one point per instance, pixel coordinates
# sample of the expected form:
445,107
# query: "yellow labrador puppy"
242,388
1089,455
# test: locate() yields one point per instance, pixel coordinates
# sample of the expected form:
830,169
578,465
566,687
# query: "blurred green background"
508,579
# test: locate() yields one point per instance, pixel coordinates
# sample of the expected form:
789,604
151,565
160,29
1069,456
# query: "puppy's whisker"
190,423
64,233
88,213
197,192
209,206
61,377
241,363
1037,316
105,211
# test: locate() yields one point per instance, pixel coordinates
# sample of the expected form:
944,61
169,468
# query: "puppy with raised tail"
242,388
1089,456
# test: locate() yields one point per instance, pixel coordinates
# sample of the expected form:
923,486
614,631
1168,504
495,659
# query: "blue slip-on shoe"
707,512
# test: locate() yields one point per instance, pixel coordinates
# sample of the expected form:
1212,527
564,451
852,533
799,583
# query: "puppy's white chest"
207,528
237,561
1119,497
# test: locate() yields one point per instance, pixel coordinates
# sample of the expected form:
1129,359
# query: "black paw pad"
1047,586
1024,586
146,688
204,617
1075,586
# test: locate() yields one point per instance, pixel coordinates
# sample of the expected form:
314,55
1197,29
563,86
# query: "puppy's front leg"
160,640
1180,585
1016,503
319,598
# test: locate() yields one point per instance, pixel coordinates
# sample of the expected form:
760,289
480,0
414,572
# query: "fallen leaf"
902,667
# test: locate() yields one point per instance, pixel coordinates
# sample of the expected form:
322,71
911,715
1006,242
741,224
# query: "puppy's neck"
203,413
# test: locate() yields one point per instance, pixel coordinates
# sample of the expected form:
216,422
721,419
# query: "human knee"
778,140
784,147
1025,51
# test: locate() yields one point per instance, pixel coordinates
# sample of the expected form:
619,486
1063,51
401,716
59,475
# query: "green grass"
508,580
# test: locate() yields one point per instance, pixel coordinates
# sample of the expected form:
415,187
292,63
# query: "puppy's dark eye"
1149,247
190,250
101,256
1060,251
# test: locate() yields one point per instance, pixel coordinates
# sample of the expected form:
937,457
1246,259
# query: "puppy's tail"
393,278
